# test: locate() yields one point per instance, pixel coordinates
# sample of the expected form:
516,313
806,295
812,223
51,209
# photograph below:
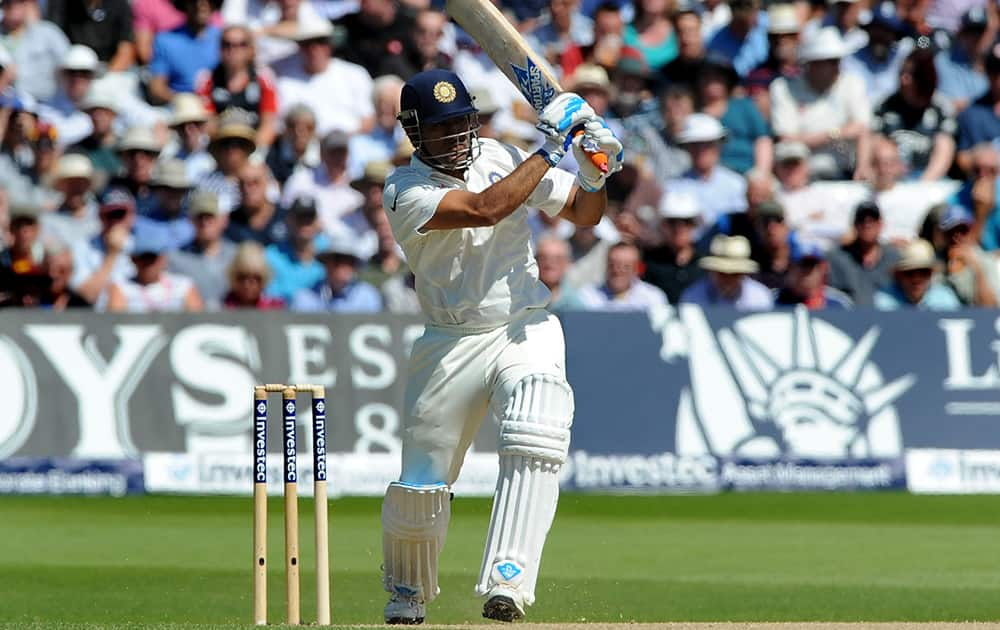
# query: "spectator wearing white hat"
189,140
718,190
179,55
673,265
206,259
914,285
622,289
338,92
340,291
38,46
728,282
75,219
103,25
101,108
783,28
825,109
63,110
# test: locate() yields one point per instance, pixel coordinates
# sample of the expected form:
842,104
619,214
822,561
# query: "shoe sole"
404,621
501,608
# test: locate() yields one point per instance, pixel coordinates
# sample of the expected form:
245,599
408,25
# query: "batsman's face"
448,143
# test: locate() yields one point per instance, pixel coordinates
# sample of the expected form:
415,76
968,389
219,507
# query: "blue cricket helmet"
435,96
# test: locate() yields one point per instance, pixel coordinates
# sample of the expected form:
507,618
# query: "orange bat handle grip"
597,158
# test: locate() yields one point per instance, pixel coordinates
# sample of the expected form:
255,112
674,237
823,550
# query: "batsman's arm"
585,208
461,208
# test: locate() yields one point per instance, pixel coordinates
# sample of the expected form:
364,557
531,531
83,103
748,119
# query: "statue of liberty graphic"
780,385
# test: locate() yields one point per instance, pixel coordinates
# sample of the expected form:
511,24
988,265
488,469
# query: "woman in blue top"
652,33
748,144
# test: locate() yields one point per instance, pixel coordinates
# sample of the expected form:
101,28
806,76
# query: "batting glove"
566,112
596,138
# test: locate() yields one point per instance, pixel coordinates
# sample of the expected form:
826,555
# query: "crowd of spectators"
208,154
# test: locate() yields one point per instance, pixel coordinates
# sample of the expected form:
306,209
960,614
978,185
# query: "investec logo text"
260,446
319,442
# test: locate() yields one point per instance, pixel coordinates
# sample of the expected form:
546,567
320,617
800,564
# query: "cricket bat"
510,52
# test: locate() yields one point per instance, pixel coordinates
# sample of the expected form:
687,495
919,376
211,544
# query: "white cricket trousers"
458,377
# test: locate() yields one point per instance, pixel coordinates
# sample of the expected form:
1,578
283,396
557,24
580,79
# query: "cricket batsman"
490,348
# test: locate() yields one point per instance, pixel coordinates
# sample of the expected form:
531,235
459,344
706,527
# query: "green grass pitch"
180,562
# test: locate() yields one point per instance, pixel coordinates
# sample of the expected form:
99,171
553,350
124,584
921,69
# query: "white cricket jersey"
471,277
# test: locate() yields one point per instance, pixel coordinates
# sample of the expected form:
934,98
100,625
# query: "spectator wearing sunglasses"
238,83
248,274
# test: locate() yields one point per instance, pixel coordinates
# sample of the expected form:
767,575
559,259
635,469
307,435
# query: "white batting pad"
534,440
414,525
